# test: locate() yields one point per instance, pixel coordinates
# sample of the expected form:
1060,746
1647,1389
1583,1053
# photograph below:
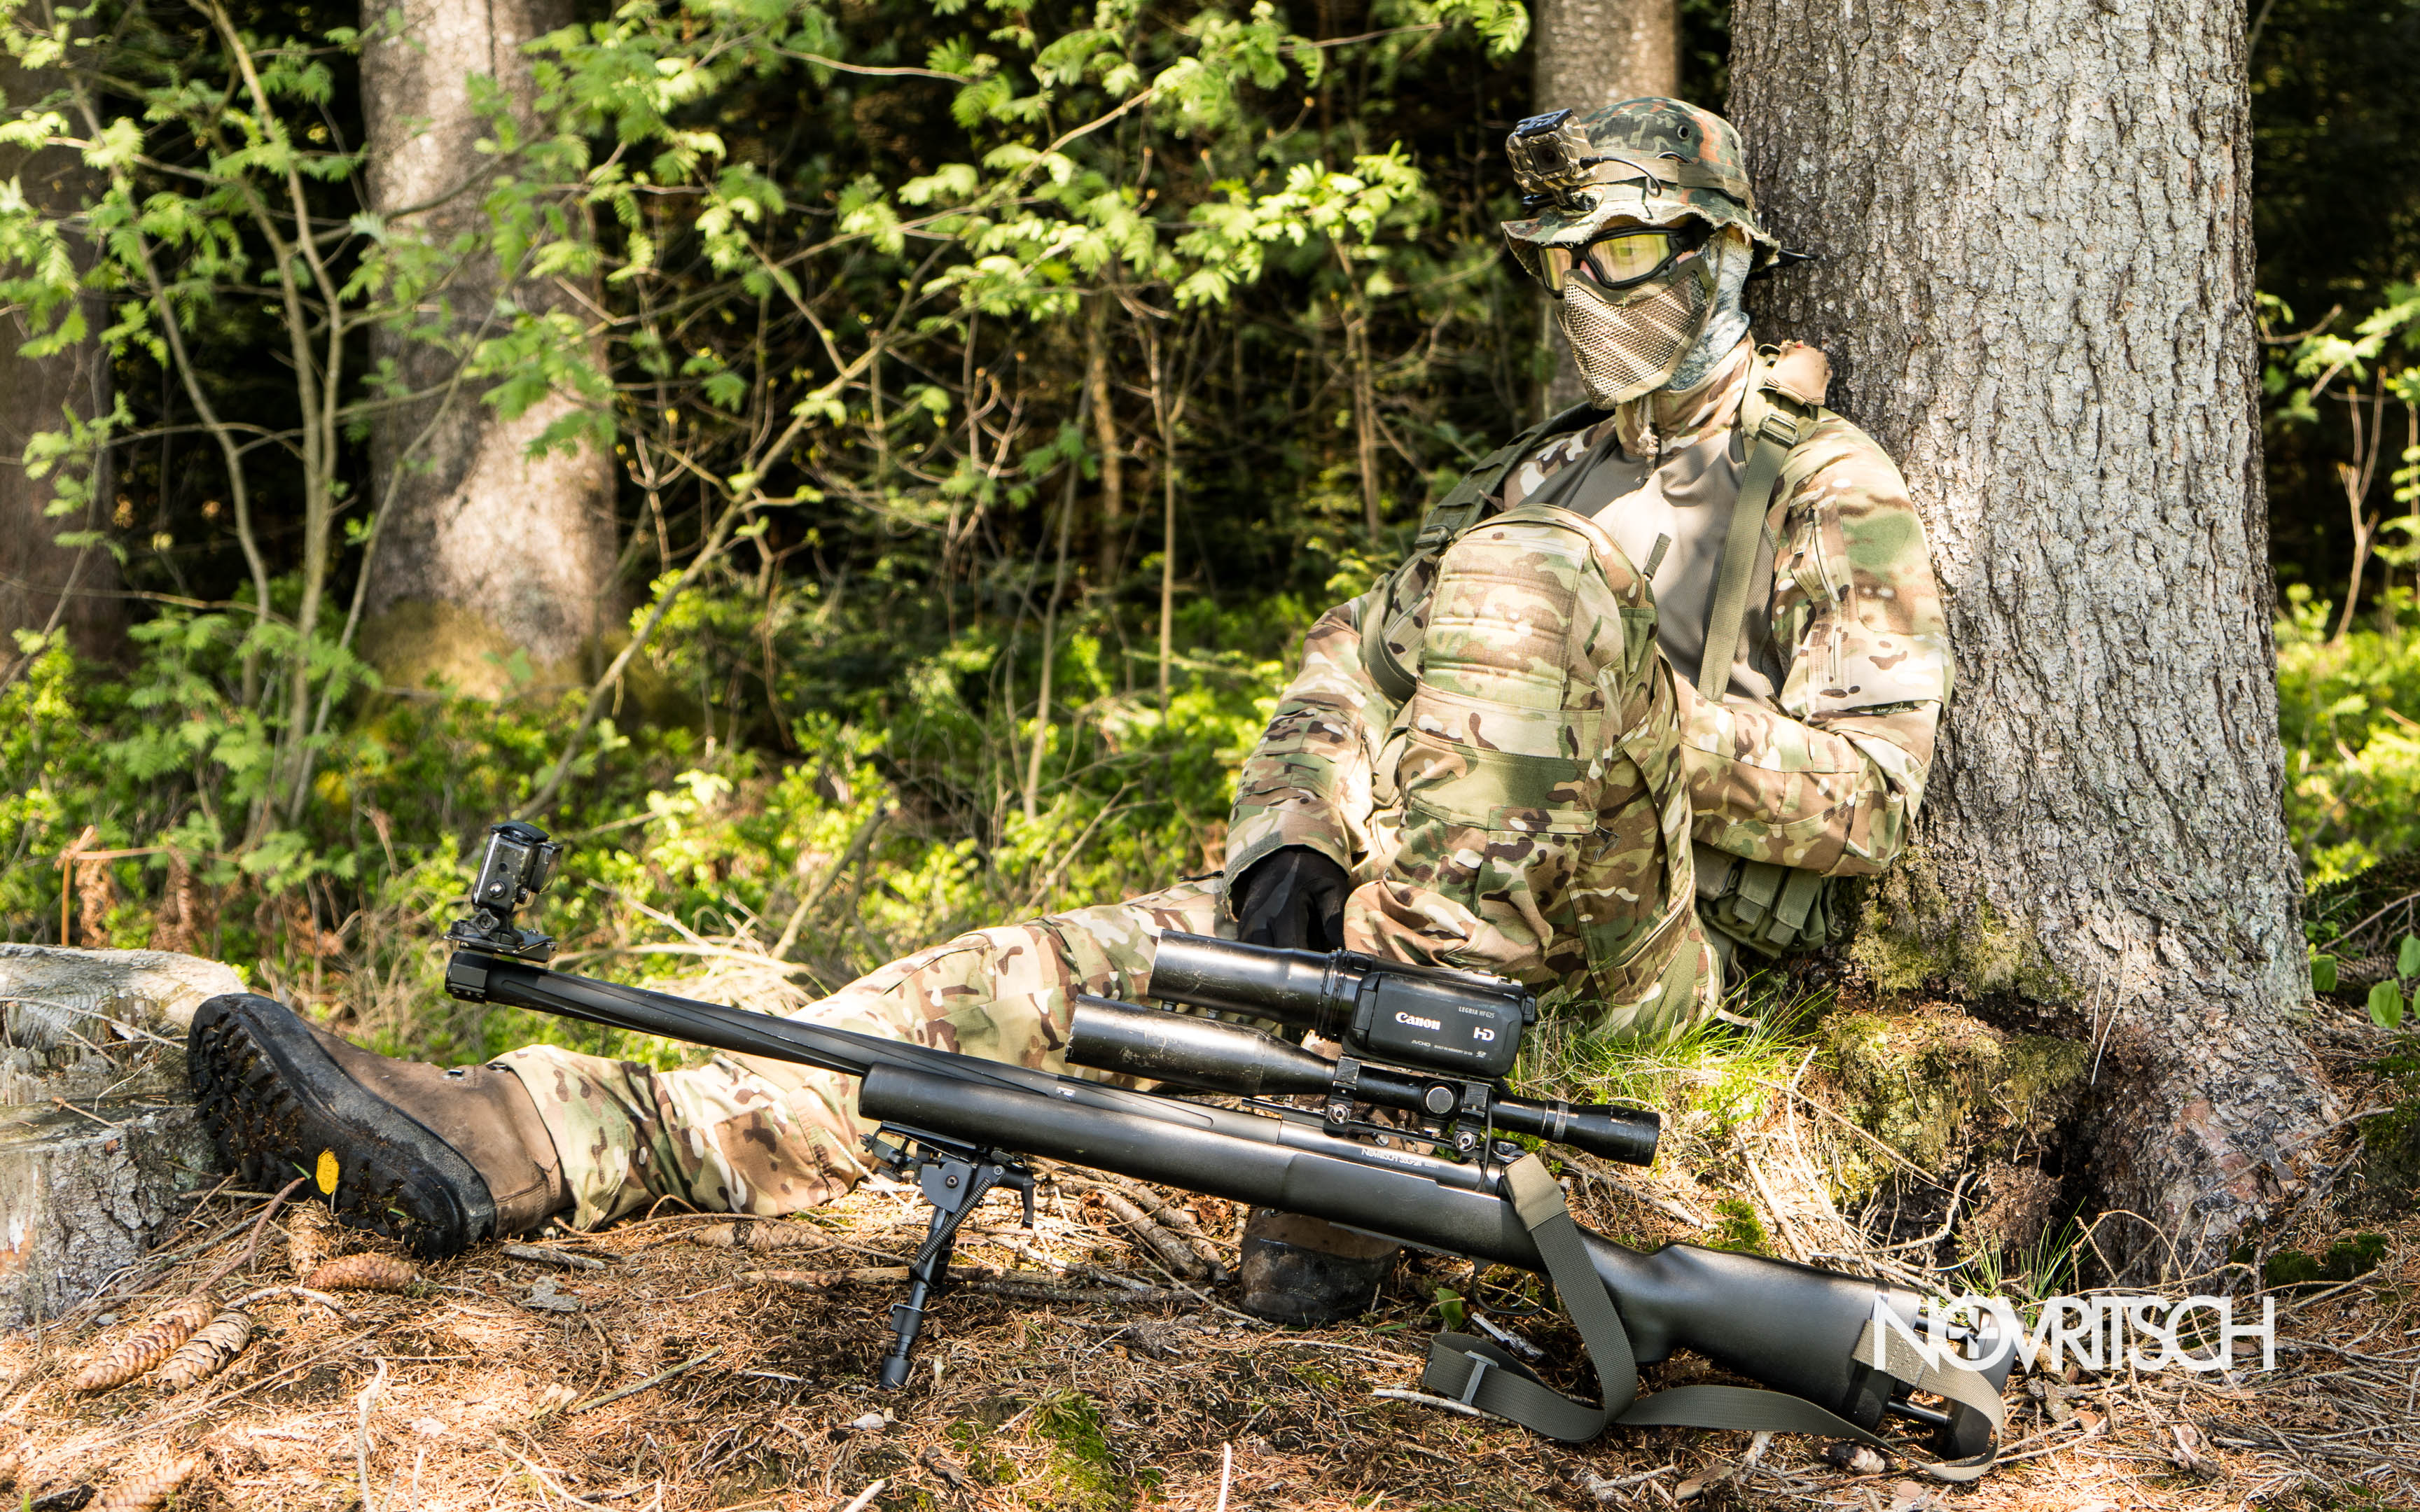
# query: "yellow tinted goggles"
1617,261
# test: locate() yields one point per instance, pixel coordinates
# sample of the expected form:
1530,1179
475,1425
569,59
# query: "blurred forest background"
993,392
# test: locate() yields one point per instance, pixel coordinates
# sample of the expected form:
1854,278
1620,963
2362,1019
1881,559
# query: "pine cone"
310,1237
364,1273
140,1350
145,1486
209,1352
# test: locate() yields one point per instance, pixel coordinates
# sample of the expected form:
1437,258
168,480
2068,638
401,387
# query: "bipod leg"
954,1178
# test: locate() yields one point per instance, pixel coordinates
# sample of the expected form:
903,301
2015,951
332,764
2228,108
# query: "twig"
1396,1393
543,1479
560,1260
657,1378
866,1498
858,844
1170,1248
362,1434
1226,1472
251,1245
264,1293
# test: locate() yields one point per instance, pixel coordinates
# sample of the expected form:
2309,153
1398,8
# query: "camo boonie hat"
1661,159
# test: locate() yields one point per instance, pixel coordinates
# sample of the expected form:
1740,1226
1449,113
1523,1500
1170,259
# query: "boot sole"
278,1107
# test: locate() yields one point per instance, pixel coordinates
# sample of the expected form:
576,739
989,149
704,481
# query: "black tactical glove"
1292,899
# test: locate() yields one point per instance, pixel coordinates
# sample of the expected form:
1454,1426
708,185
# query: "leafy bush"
2349,711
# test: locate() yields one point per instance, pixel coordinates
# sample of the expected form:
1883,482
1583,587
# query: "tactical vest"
1770,909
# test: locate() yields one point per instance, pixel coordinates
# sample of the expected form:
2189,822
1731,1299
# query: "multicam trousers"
764,1137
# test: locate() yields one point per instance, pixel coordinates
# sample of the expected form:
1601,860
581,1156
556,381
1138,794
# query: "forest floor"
669,1371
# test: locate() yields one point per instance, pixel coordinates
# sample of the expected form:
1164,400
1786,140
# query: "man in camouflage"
1486,762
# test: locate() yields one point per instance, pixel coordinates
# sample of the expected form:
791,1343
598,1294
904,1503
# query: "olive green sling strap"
1766,906
1480,1374
1774,423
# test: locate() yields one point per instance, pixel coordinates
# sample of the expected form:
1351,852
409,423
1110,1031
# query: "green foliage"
2346,708
843,266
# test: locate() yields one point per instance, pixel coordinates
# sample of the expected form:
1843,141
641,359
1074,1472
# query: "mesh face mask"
1630,342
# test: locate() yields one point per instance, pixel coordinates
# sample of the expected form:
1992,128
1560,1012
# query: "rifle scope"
1229,1058
1453,1023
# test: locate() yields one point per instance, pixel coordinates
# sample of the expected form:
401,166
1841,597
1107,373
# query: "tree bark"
1591,54
2036,292
481,550
34,570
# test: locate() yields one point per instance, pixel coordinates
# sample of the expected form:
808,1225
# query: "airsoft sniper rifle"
1432,1047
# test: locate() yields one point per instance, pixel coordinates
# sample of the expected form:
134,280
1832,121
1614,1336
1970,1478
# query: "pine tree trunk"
34,568
1591,54
481,550
2036,289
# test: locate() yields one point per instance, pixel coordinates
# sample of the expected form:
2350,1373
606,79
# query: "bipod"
954,1176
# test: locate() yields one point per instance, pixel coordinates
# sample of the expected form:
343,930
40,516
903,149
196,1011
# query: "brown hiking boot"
282,1099
1307,1271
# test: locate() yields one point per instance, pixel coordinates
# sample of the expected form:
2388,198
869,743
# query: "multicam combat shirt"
1816,757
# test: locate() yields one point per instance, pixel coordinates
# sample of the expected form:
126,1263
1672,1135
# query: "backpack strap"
1459,509
1774,416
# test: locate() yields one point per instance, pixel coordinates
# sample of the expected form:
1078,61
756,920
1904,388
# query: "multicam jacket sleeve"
1308,781
1830,779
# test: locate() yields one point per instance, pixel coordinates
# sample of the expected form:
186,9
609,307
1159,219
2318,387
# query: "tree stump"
99,1134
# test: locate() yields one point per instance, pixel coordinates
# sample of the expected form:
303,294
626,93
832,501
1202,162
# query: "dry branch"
1172,1250
560,1260
751,1234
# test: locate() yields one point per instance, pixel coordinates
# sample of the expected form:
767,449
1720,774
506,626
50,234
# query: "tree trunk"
34,570
481,550
102,1135
2036,289
1110,552
1591,54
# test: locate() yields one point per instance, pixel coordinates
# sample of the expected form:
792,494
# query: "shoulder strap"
1773,420
1479,1373
1453,513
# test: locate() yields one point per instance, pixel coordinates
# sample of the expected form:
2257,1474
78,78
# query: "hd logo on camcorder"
2103,1332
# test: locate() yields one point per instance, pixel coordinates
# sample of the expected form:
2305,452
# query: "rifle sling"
1479,1373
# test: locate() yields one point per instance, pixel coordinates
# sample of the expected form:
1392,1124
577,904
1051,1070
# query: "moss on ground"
1941,1090
1084,1472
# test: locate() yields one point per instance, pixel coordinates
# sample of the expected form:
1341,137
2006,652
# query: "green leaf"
1450,1307
2386,1005
2324,973
2407,957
